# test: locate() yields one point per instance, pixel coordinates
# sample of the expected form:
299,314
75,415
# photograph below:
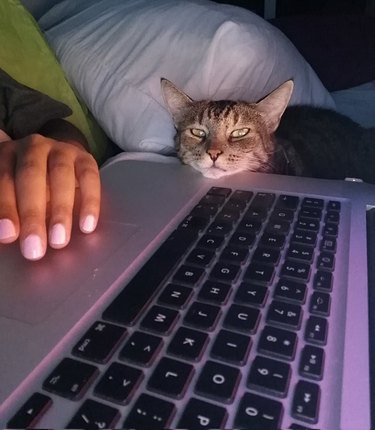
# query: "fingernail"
7,229
88,225
57,235
32,247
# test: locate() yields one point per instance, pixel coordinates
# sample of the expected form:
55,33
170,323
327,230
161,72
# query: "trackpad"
30,291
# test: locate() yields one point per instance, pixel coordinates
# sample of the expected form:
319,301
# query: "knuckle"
29,168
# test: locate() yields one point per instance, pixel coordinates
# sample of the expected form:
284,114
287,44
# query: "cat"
224,137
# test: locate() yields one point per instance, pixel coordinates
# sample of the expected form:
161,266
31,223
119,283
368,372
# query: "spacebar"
128,305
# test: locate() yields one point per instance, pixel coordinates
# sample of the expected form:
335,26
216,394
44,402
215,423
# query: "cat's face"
225,137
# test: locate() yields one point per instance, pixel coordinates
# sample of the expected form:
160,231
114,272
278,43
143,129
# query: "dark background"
309,7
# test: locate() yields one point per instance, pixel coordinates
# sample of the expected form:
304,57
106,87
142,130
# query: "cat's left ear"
273,106
174,98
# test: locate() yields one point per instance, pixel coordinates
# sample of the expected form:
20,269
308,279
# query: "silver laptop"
234,303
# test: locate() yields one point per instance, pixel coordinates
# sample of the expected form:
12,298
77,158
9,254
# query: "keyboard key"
332,217
290,290
255,213
287,202
296,270
220,228
312,362
313,202
188,275
202,316
141,348
214,292
326,261
176,296
235,205
278,226
270,376
212,199
71,378
259,272
129,304
194,223
225,272
242,318
304,237
328,244
323,281
307,212
285,314
306,401
188,344
211,242
283,214
301,252
94,415
219,191
251,294
334,205
204,210
241,195
200,257
118,383
218,381
316,330
278,342
320,303
266,255
249,226
308,224
160,319
263,200
242,240
202,415
150,412
99,342
228,215
234,254
272,240
258,413
232,347
331,230
31,412
171,378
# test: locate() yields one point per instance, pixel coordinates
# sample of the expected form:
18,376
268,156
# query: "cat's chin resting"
215,173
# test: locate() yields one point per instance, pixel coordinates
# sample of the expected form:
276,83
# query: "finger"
62,190
31,174
3,136
9,225
89,183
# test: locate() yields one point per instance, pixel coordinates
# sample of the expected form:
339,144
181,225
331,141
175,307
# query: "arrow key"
31,412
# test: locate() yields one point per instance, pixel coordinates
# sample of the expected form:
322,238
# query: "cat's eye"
197,132
241,132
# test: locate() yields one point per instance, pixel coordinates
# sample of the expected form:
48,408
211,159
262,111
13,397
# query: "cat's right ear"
174,98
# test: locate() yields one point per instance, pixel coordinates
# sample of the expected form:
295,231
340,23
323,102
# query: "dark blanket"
23,110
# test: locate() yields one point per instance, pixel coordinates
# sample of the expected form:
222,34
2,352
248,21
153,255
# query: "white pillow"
115,52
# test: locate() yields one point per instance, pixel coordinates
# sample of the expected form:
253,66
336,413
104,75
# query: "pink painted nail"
32,248
7,229
57,235
89,223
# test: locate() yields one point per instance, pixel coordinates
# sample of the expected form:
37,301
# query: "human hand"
39,180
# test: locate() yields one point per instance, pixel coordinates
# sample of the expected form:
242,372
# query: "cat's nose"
214,153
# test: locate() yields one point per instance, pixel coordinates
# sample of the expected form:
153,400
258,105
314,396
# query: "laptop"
242,302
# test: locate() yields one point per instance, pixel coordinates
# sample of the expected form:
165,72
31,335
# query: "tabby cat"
224,137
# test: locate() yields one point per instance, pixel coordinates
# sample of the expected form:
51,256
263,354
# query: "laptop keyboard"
225,326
